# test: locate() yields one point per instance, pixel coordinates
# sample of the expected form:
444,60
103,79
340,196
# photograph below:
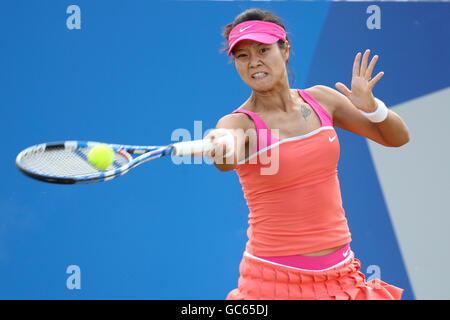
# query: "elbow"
401,142
407,138
225,167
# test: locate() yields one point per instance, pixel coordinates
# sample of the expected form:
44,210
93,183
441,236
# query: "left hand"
361,94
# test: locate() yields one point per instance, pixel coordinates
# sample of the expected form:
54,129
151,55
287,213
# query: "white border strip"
282,265
286,140
293,1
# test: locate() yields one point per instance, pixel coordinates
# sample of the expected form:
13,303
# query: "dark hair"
255,14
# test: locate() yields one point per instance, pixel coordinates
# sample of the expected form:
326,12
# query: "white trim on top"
287,140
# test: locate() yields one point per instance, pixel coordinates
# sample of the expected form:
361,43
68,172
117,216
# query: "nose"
254,61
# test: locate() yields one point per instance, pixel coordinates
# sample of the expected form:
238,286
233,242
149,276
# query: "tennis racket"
67,163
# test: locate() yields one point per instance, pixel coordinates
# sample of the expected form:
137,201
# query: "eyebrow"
259,44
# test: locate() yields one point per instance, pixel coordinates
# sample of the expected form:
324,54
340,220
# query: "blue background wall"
135,72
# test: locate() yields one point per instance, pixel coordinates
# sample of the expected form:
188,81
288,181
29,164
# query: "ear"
287,50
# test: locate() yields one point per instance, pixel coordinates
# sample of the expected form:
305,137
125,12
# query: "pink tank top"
292,190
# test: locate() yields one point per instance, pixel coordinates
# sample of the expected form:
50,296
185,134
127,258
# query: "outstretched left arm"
346,106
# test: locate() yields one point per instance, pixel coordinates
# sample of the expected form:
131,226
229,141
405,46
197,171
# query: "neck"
279,98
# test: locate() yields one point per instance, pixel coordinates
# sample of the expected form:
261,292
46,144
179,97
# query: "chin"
260,86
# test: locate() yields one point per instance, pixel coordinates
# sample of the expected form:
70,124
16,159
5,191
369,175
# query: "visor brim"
258,37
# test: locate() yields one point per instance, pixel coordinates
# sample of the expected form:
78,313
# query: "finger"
210,135
227,142
343,89
375,80
211,138
370,68
364,62
208,153
356,65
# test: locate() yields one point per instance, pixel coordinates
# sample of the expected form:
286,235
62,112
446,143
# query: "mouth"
259,75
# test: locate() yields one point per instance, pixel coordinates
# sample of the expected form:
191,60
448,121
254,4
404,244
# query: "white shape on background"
415,181
74,20
374,271
373,21
74,280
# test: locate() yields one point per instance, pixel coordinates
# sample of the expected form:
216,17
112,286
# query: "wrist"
379,115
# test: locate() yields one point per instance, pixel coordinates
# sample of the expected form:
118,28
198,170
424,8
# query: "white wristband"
378,115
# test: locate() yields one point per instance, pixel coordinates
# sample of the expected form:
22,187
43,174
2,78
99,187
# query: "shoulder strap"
259,123
323,114
263,136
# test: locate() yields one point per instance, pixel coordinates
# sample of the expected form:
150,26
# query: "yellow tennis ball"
101,156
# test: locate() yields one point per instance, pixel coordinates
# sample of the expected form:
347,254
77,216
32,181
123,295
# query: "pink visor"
256,30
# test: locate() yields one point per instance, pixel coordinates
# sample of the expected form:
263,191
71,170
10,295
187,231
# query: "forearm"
393,130
389,124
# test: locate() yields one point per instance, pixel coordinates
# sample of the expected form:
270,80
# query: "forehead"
246,44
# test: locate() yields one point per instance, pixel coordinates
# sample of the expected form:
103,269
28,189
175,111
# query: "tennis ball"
101,156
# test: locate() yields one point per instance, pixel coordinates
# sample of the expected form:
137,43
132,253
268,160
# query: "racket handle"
190,147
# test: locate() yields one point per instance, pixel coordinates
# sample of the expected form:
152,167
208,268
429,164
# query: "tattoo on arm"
305,111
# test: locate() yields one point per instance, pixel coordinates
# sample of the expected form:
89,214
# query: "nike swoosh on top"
242,30
331,139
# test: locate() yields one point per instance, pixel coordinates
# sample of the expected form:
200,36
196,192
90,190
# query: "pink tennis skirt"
261,279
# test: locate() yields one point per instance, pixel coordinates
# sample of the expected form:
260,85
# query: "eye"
262,50
241,55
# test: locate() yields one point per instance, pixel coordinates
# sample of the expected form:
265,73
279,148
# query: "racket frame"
146,153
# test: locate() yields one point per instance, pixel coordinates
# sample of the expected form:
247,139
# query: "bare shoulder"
235,121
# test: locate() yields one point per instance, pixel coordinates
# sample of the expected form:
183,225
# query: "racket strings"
66,163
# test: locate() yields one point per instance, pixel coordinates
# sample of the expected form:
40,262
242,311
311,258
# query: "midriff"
322,252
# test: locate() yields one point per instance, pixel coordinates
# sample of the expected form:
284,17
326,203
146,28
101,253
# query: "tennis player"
298,237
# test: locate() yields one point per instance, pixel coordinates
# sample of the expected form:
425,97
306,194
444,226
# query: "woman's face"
261,66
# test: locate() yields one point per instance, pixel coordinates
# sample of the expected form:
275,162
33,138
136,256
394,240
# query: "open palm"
361,87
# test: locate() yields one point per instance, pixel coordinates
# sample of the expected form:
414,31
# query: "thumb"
343,89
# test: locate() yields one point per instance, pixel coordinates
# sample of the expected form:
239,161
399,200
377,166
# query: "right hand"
223,145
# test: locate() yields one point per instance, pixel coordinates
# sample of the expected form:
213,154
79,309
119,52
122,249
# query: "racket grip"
190,147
